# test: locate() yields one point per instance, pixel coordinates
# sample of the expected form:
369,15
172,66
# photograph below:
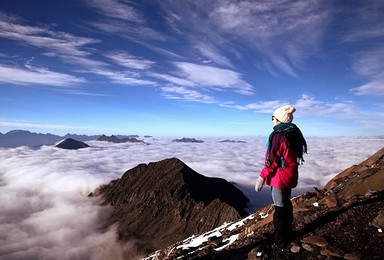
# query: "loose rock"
255,253
331,250
308,247
379,221
295,249
315,240
353,256
331,202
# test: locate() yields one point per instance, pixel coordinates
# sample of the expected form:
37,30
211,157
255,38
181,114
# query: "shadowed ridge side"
207,189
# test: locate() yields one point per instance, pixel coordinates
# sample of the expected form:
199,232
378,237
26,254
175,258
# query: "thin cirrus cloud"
183,93
115,9
129,61
369,64
134,32
123,77
305,105
215,78
55,42
38,76
249,23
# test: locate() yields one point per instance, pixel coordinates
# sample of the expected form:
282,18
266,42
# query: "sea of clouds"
46,212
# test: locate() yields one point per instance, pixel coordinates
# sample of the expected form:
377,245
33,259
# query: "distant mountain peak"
71,144
115,139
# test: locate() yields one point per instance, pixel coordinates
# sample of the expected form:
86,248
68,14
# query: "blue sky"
191,68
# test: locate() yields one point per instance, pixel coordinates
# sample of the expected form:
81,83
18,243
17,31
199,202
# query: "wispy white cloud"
374,88
306,105
183,93
310,106
211,52
135,32
370,65
56,42
367,27
260,107
214,78
123,77
264,27
116,9
375,31
172,79
129,61
39,76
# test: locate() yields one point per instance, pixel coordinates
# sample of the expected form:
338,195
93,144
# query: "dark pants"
283,216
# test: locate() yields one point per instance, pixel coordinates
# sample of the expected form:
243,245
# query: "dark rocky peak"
131,140
112,138
233,141
188,140
164,202
71,144
342,220
115,139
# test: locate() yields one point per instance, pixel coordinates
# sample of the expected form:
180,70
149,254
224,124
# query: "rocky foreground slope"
343,220
163,202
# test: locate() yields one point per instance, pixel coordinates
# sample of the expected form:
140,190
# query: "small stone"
255,254
315,240
331,202
354,256
308,247
379,221
295,249
331,250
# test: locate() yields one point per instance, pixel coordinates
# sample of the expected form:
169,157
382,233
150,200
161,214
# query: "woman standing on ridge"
285,148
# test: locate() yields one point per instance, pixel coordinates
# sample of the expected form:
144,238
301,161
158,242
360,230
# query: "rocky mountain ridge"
115,139
164,202
342,220
16,138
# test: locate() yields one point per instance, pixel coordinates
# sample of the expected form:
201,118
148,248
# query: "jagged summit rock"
188,140
112,138
343,220
166,201
115,139
71,144
233,141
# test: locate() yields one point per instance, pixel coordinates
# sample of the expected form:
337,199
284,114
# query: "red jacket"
283,169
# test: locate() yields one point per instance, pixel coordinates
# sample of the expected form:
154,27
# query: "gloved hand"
259,183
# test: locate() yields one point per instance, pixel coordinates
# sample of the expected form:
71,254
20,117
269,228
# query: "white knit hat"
284,114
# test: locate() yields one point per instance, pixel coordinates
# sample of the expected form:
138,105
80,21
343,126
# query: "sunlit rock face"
166,201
